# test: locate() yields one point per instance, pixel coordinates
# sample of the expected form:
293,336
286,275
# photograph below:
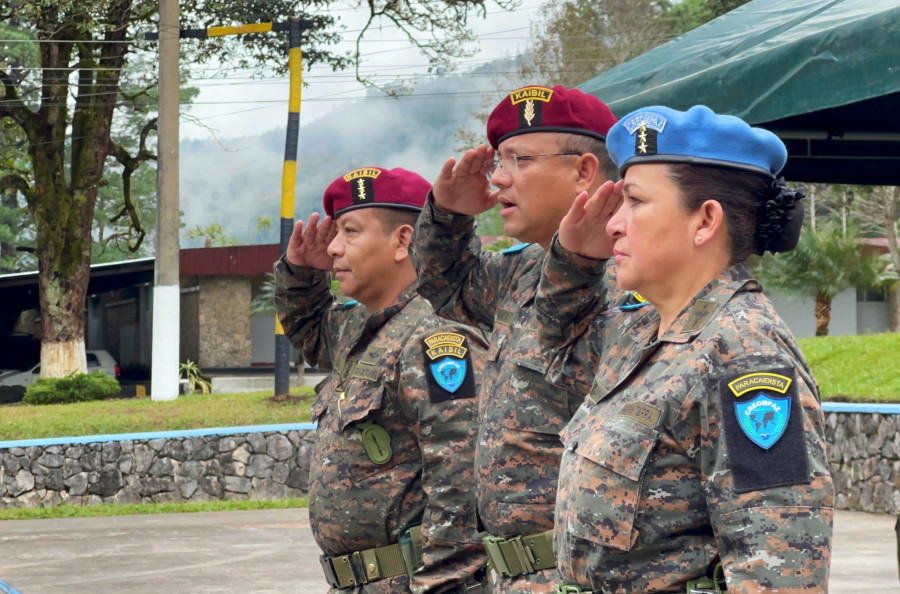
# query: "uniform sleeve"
440,396
769,490
575,317
462,281
308,311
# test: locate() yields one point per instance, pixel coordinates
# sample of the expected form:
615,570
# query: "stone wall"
254,465
224,321
864,455
273,463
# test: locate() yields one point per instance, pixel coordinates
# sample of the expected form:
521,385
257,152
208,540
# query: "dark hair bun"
780,219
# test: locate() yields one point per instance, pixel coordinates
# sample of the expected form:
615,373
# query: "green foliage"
141,414
191,372
501,244
264,302
213,235
131,509
855,368
75,387
826,262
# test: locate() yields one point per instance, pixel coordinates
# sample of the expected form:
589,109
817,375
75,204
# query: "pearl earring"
699,239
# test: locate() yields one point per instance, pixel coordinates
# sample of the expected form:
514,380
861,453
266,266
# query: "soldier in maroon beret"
546,146
391,486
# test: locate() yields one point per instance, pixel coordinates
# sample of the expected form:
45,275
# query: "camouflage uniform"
659,480
520,414
379,362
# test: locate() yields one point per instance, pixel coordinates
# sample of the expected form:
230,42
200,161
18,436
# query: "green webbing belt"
511,557
704,585
371,565
709,585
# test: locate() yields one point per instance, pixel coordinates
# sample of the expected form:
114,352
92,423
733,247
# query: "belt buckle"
330,576
357,569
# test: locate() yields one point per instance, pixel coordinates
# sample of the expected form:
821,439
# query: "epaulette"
634,301
516,248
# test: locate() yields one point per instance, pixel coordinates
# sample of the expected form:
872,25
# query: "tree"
825,262
879,211
574,41
66,69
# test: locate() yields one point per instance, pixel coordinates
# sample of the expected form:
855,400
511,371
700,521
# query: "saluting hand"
583,229
309,247
463,187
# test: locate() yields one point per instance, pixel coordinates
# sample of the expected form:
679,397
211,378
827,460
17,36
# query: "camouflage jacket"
706,444
520,413
382,373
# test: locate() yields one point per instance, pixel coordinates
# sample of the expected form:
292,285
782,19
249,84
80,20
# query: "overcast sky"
240,106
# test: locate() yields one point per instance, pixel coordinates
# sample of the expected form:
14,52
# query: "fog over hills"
237,180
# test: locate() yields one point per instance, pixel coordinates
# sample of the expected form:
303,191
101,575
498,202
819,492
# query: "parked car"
97,360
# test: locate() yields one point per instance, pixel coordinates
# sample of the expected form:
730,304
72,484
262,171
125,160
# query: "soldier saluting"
391,479
547,145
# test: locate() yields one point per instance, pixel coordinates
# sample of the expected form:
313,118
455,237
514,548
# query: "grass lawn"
110,509
140,414
860,368
848,368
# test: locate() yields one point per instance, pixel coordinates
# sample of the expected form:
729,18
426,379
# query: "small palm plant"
194,380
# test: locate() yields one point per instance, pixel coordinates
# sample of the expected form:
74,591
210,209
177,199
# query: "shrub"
75,387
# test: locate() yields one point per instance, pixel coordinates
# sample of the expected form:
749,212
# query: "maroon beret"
539,109
375,186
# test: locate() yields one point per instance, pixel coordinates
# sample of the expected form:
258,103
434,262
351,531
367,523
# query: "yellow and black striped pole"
288,186
289,172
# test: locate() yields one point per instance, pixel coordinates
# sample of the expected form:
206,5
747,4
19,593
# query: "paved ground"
272,551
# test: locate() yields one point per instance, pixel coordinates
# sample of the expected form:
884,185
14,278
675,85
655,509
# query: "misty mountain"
235,181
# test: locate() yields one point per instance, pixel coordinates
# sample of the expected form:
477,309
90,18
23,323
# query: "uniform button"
573,446
371,568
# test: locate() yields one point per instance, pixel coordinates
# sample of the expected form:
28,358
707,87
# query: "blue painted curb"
860,407
50,441
7,589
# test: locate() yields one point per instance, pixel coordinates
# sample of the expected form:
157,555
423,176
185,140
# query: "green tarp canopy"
823,75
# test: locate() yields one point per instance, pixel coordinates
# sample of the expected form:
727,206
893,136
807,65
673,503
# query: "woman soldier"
700,451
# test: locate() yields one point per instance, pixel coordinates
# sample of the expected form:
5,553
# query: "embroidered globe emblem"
764,418
449,373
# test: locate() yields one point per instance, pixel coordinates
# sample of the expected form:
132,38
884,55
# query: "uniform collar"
381,317
705,305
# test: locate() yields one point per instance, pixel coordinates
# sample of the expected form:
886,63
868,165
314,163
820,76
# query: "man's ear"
588,170
402,238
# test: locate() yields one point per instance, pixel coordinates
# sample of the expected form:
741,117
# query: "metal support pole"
166,290
288,184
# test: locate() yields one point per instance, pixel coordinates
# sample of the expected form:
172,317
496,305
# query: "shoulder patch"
448,367
764,430
516,248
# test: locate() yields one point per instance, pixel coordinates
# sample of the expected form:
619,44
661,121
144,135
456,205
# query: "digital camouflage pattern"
378,363
520,414
659,480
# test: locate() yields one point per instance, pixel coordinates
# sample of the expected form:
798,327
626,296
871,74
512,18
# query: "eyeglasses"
490,168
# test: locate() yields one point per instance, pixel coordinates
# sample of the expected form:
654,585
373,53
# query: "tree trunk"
64,257
893,212
893,305
823,314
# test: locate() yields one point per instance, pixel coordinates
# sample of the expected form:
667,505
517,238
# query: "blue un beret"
663,135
